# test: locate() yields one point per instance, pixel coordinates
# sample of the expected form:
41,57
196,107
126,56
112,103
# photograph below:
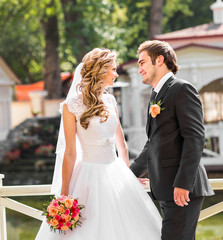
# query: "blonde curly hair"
95,67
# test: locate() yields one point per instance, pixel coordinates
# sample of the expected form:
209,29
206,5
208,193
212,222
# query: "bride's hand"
144,181
64,192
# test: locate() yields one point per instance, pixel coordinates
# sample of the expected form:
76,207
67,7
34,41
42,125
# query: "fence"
39,190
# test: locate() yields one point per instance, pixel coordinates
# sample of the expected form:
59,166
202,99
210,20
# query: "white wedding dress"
116,204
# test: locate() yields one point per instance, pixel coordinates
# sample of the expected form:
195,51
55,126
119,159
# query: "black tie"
153,96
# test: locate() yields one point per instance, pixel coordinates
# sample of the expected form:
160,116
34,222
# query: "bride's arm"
69,122
121,143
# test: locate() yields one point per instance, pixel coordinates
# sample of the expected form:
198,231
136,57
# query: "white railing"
39,190
12,191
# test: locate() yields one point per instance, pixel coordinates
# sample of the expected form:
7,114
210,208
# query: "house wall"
200,66
5,116
7,79
20,111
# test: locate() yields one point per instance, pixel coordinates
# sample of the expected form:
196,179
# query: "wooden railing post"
3,230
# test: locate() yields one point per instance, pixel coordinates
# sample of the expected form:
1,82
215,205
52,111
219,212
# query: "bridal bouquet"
63,213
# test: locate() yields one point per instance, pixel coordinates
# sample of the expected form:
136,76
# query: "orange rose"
76,218
67,218
64,228
61,209
68,203
54,222
53,211
63,216
154,110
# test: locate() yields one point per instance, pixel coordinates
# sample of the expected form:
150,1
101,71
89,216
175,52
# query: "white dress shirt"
162,82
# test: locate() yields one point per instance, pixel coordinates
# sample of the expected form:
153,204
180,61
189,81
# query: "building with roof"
199,51
22,90
30,100
7,80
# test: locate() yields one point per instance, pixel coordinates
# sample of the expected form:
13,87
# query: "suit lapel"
164,88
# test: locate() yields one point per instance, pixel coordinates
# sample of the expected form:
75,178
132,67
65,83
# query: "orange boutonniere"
155,108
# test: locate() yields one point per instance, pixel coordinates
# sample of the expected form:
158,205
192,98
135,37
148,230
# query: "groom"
175,143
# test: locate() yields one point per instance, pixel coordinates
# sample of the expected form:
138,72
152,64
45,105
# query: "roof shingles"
204,30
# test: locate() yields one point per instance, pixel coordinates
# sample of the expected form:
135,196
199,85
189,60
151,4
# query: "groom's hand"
181,196
144,181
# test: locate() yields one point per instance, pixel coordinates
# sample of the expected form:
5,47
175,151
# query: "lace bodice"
97,141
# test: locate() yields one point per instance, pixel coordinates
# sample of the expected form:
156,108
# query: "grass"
21,227
211,228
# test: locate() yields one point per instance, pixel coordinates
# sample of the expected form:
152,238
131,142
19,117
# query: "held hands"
144,181
181,196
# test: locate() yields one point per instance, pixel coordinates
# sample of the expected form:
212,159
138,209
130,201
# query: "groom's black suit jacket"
175,144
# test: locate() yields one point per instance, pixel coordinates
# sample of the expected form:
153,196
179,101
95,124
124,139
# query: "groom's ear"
160,60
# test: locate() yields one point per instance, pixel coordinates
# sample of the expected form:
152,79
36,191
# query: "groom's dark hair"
156,48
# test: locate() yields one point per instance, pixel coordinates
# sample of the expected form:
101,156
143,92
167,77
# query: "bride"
87,167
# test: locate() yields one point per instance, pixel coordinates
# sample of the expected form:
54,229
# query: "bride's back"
98,140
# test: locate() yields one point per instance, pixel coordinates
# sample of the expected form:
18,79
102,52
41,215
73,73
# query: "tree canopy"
78,26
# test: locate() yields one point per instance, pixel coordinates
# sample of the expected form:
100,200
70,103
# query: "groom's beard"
151,77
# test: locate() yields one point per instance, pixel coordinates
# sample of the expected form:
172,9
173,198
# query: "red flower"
68,224
60,224
67,212
12,155
75,203
72,209
77,210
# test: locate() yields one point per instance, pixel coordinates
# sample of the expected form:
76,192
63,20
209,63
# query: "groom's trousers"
179,223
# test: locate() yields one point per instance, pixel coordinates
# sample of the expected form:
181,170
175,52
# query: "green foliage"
21,41
120,25
136,26
181,14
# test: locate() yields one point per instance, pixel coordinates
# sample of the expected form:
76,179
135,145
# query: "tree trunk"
156,17
74,26
51,72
